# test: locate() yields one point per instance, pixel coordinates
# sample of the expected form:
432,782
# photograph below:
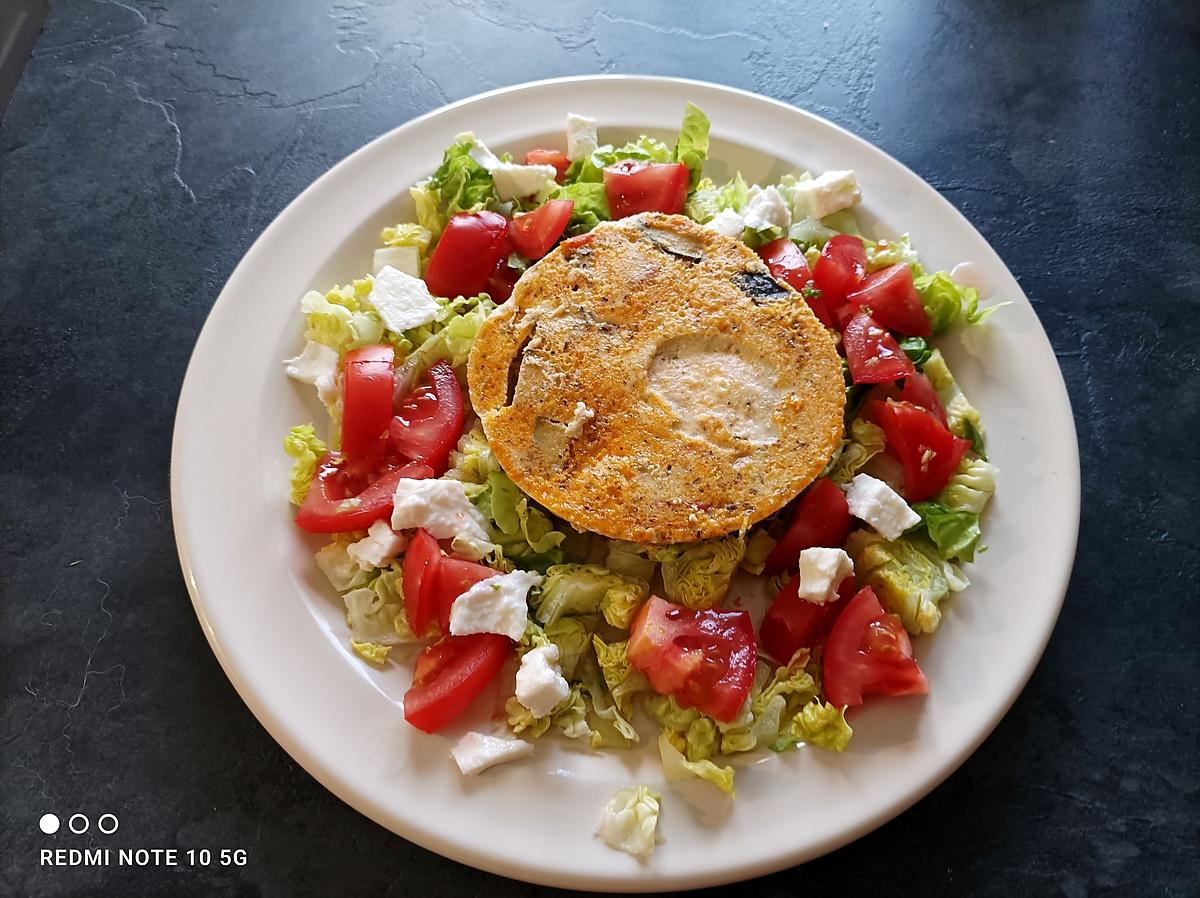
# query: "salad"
434,547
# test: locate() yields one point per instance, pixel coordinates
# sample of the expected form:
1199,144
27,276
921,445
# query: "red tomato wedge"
821,518
422,562
634,187
471,248
792,623
703,658
929,452
454,577
842,266
367,401
872,353
558,159
500,285
429,420
534,234
892,300
449,675
341,498
787,264
869,653
917,390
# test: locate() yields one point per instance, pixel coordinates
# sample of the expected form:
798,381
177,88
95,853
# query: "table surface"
148,144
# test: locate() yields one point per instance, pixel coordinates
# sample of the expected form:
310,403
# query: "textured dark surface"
148,144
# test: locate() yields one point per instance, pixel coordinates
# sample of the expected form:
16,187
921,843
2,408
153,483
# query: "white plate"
277,630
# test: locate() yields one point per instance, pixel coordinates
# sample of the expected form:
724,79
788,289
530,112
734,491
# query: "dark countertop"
148,144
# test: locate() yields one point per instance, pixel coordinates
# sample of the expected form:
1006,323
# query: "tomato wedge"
791,623
533,234
893,301
454,577
929,452
868,653
422,562
471,248
704,658
558,159
787,264
821,518
367,401
634,187
429,420
500,285
872,353
842,266
449,675
918,390
341,498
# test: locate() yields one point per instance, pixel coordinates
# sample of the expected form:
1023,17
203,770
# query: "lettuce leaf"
460,184
448,337
820,724
342,319
520,528
949,304
758,547
691,147
591,205
962,417
970,487
866,442
587,589
707,199
303,445
908,574
698,574
955,532
340,569
676,766
629,821
407,234
885,253
624,682
629,560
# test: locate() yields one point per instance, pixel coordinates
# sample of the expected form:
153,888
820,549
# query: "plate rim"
370,807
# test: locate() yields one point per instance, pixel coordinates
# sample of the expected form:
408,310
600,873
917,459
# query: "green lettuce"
460,184
691,147
303,445
471,461
587,589
676,766
970,487
758,547
520,528
624,682
908,574
371,619
667,712
949,304
610,728
629,560
629,821
821,724
336,564
591,205
955,532
371,652
866,441
884,253
917,349
407,235
342,319
811,234
448,337
960,414
698,574
707,199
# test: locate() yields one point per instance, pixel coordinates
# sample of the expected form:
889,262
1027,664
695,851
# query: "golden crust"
651,382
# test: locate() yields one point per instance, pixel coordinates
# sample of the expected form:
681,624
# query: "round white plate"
278,631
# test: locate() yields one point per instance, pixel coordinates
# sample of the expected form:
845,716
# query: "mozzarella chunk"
476,752
403,301
832,192
403,258
479,151
821,571
495,605
766,208
513,180
439,506
540,683
579,420
727,222
880,506
316,365
378,547
582,139
969,274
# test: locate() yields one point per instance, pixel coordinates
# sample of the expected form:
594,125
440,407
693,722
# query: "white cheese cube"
479,151
476,752
378,547
513,180
727,222
969,274
495,605
403,301
540,683
316,365
821,571
880,506
403,258
832,192
582,139
439,506
766,208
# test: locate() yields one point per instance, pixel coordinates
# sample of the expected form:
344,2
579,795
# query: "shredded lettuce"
303,445
885,253
336,564
917,349
821,724
407,235
371,652
955,532
370,617
448,337
610,728
342,319
866,442
970,487
629,821
460,184
520,528
676,766
698,574
960,414
624,682
707,199
629,560
908,574
591,205
691,147
949,304
758,547
587,589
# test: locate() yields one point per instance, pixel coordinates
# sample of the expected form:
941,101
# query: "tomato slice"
892,300
634,187
918,390
500,285
422,562
429,420
558,159
454,577
929,452
787,264
533,234
704,658
868,653
367,401
791,623
842,266
471,248
872,353
341,498
821,518
449,675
